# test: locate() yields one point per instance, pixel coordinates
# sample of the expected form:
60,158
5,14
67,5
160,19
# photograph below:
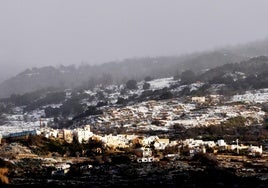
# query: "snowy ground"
18,126
161,83
30,121
255,96
22,122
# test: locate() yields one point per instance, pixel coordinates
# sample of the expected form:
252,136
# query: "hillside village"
133,148
155,115
189,111
148,115
146,143
137,120
144,132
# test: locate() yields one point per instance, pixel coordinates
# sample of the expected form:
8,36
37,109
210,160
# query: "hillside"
88,76
228,79
113,72
250,74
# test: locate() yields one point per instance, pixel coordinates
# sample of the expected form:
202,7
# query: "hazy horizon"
63,32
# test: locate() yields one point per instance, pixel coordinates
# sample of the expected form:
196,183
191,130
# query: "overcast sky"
54,32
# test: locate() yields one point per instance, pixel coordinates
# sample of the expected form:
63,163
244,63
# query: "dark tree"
187,77
71,107
121,100
146,86
148,78
131,84
52,112
166,95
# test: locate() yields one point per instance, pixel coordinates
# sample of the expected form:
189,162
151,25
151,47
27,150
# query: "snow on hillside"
111,93
161,83
23,122
235,76
196,86
19,121
18,126
255,96
191,87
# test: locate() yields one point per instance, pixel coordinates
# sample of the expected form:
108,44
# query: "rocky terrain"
200,171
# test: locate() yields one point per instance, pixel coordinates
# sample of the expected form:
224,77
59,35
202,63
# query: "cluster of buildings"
200,146
152,115
81,134
192,147
145,147
146,144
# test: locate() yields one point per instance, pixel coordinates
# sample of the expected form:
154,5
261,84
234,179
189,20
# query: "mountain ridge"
118,72
64,77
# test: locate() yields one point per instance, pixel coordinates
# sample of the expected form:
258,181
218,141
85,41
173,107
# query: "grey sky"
53,32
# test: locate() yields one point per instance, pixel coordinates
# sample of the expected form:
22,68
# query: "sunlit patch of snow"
134,92
157,128
236,75
161,83
112,87
68,94
195,86
37,114
255,96
243,75
52,105
180,88
216,87
89,92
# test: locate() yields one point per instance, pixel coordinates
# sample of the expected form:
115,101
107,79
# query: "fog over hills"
63,32
135,68
70,76
248,76
139,38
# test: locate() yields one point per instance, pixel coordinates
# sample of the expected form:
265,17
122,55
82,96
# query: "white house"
255,150
199,99
50,133
83,134
146,156
209,144
221,143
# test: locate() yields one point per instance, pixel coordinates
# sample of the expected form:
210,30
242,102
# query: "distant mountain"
87,76
117,72
227,79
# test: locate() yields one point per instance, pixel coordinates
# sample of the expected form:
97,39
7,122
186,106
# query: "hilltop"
65,77
118,72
